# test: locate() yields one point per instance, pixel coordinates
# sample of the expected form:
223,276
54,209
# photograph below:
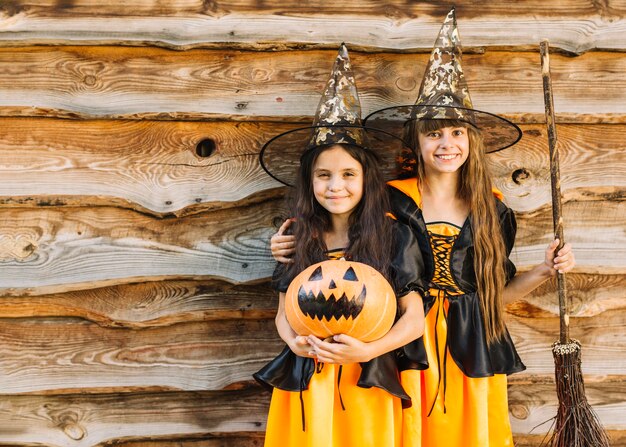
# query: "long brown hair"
369,233
475,189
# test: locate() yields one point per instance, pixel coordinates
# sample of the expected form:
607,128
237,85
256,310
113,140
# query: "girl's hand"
339,349
300,346
282,245
561,262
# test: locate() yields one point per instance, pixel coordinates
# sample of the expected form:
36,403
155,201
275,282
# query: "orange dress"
458,408
327,405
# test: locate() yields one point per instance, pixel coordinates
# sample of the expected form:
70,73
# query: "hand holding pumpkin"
300,346
340,349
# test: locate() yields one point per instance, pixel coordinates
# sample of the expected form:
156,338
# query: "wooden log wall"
134,261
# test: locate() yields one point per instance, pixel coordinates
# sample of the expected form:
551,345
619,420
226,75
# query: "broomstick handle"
557,216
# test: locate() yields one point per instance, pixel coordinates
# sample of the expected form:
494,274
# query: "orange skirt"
476,409
372,417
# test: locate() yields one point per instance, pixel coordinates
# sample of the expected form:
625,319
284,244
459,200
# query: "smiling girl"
465,233
342,391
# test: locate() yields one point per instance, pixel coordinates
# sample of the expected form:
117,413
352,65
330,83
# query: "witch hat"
337,121
444,94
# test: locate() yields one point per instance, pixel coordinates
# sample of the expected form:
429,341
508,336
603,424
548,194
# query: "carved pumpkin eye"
316,275
350,275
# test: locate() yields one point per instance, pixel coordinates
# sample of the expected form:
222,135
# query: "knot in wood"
206,147
68,421
17,247
406,83
520,175
90,80
74,431
520,412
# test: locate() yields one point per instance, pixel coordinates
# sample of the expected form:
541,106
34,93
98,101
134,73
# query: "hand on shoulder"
283,245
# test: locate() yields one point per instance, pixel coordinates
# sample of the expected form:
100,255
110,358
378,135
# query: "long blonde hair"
475,189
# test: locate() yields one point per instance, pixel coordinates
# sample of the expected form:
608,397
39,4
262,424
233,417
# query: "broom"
576,424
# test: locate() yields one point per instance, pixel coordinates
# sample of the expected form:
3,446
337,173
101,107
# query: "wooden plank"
590,169
60,355
589,295
139,83
391,8
85,421
152,304
150,166
62,249
599,336
574,26
63,355
164,303
532,405
153,166
131,419
595,230
80,248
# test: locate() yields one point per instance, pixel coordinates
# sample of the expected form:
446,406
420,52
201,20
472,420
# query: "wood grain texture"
85,421
61,249
599,336
574,26
595,229
64,355
132,419
60,355
153,166
149,305
150,166
534,404
589,295
119,82
81,248
592,167
164,303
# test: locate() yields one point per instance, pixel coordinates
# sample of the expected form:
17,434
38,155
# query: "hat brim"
498,133
280,156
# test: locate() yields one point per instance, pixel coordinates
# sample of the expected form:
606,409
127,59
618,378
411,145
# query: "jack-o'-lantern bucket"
341,297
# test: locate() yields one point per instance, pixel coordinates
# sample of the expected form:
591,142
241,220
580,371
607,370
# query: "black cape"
290,372
466,331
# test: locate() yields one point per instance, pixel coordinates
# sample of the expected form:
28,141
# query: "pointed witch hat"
444,94
337,121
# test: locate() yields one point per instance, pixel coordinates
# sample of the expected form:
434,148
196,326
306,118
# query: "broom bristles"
576,423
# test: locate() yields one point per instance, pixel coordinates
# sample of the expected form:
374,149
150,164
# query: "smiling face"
444,150
337,181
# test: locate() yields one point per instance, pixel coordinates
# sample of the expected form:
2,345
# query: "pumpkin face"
340,297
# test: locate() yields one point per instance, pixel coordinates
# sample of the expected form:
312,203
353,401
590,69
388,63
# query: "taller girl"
465,234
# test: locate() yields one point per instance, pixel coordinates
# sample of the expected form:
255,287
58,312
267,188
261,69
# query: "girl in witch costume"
465,234
351,394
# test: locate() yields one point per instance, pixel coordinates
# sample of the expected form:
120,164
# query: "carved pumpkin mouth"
320,306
